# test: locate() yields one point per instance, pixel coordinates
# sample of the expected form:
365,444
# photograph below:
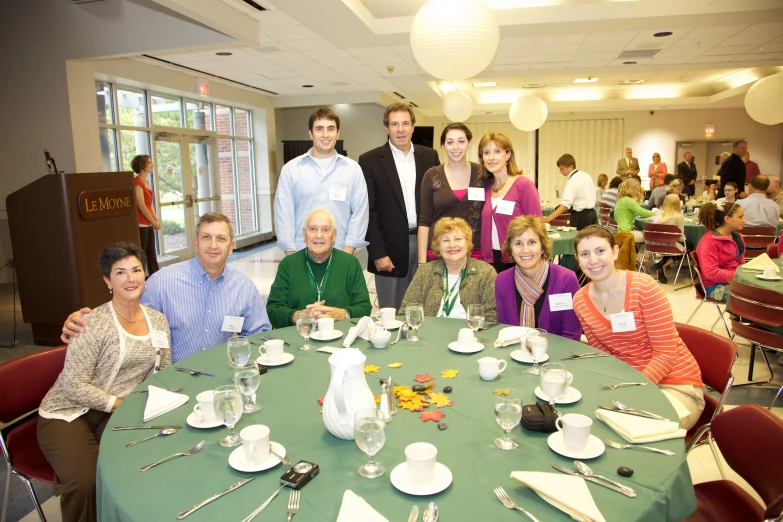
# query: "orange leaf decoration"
424,378
321,401
439,399
377,399
434,416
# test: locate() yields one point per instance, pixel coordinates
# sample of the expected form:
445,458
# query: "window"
166,111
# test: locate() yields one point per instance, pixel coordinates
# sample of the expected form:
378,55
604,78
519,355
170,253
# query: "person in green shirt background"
627,208
319,278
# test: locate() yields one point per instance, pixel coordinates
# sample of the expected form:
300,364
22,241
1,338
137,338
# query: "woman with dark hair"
609,196
452,189
148,219
600,187
730,190
508,194
122,344
722,249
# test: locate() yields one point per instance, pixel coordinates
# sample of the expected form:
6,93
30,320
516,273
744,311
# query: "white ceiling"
343,47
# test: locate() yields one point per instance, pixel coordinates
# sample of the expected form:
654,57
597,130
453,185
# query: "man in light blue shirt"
198,295
759,211
321,179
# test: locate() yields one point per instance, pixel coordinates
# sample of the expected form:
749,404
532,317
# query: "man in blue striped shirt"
197,295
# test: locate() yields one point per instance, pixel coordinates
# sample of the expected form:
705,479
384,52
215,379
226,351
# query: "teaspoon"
585,470
167,431
431,513
282,459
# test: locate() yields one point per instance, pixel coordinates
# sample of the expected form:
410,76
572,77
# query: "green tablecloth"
564,244
749,278
288,397
547,210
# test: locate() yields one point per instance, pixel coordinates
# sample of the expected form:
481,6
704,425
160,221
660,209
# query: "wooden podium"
59,224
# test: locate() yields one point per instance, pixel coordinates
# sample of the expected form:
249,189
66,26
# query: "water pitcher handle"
339,399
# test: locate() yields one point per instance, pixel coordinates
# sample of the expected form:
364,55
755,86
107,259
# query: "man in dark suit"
393,173
686,172
733,169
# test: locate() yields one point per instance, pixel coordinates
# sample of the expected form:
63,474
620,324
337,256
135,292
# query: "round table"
547,210
564,244
749,278
288,397
694,230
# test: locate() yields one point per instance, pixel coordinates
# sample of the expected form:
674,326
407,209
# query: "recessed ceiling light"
535,85
663,34
629,63
223,53
307,86
485,84
632,82
589,79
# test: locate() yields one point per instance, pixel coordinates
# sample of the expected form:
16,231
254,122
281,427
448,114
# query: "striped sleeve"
659,323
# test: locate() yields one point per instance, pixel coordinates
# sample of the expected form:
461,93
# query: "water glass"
414,316
508,413
370,435
238,351
536,343
304,325
228,407
475,313
554,381
247,379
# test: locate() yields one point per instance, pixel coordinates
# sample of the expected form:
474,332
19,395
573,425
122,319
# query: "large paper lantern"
764,100
454,39
528,113
457,106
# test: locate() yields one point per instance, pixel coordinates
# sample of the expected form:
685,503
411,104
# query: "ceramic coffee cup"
325,326
490,368
420,460
255,442
386,316
576,430
769,272
273,350
465,339
204,408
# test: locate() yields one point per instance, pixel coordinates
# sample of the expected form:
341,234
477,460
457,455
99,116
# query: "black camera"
300,474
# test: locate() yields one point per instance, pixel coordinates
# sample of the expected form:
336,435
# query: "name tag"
475,194
506,208
559,302
159,339
232,323
337,193
623,322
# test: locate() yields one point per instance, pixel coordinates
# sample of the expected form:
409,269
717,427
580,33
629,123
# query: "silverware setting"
178,388
510,504
430,513
646,415
226,491
192,451
594,480
585,470
622,385
617,445
621,406
165,431
590,355
192,371
414,516
293,504
122,428
260,508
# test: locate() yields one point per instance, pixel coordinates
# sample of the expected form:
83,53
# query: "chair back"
24,381
604,211
563,220
757,305
698,283
757,239
749,437
714,354
662,238
772,251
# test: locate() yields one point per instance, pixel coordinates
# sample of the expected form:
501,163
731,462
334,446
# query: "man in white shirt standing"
578,195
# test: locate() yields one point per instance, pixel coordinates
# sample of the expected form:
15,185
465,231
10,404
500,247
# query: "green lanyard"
450,296
317,287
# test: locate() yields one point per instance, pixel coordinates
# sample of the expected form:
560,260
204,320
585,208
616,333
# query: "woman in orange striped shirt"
627,315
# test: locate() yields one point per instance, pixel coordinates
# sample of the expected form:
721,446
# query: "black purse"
539,417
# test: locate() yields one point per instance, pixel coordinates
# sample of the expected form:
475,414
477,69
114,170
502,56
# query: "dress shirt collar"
570,175
757,195
200,273
398,152
334,157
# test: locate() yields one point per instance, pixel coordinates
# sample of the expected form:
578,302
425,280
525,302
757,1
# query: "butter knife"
260,508
200,505
121,428
414,516
630,493
192,371
634,412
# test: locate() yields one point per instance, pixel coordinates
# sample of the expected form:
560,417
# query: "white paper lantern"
528,113
454,39
764,100
457,106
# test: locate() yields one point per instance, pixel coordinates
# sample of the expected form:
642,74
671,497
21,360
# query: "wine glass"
238,351
247,379
508,413
228,406
475,318
554,381
304,325
414,316
536,343
370,435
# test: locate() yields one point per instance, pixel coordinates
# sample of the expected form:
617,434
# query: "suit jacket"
686,172
733,169
622,166
387,230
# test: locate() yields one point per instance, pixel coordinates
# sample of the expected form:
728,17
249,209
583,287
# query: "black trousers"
147,236
583,218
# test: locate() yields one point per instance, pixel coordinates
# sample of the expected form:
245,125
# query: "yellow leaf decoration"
500,391
377,399
439,399
371,368
403,392
449,374
395,365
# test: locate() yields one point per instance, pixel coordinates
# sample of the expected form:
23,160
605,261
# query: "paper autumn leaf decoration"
439,399
395,365
414,403
371,368
321,401
449,374
500,391
424,378
403,392
377,399
434,416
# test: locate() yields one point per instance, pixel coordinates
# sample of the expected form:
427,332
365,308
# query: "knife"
120,428
588,356
260,508
183,369
414,516
646,415
198,506
630,493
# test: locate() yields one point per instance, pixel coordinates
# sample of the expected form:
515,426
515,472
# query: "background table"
694,231
749,278
547,210
564,244
288,398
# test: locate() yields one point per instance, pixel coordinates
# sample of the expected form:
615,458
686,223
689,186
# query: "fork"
510,504
622,384
617,445
192,451
293,504
170,389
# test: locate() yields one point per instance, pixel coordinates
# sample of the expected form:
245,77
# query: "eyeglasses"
396,125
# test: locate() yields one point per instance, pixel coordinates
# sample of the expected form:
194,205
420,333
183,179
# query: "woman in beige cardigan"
123,343
447,286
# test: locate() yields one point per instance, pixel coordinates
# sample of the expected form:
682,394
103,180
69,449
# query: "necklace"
501,186
616,284
320,285
141,313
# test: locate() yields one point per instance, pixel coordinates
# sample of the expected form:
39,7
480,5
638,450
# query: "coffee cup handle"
559,423
197,410
262,350
502,363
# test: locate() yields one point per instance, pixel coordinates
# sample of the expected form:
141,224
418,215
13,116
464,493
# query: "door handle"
189,201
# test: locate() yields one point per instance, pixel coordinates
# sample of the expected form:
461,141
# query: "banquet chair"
772,251
749,439
715,356
604,212
663,240
757,310
701,293
24,382
563,220
757,239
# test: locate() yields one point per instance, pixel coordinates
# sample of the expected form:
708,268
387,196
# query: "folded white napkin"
355,509
360,330
556,235
639,429
160,401
566,229
510,335
328,349
568,494
679,407
759,262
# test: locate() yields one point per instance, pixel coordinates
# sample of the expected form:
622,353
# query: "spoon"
585,470
167,431
284,460
621,406
431,513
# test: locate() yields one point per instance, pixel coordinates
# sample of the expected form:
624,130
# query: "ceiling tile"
286,34
275,18
244,61
670,60
619,37
709,59
756,56
334,58
768,48
372,52
595,56
702,33
676,52
511,67
512,59
576,63
766,32
606,47
556,49
701,43
183,57
310,45
565,39
549,58
305,64
353,69
723,50
550,65
277,73
285,57
748,39
639,61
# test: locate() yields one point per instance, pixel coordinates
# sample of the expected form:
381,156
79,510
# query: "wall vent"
254,5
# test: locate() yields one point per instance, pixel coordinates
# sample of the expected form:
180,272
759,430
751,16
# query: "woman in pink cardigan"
508,194
722,249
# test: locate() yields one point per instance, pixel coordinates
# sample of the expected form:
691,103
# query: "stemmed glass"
304,325
238,351
414,316
508,413
370,435
475,318
554,381
228,406
536,343
247,379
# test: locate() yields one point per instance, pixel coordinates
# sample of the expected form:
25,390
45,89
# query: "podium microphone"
51,165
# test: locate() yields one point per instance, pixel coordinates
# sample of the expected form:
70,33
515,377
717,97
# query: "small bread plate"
285,358
391,326
595,448
238,461
317,336
524,357
455,347
765,278
441,480
195,422
571,396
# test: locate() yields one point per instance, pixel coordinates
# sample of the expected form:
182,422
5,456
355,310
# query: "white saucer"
595,447
773,278
391,326
284,359
316,336
571,396
237,459
524,357
477,347
193,422
442,480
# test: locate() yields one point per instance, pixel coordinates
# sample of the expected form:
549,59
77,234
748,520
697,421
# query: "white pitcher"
348,392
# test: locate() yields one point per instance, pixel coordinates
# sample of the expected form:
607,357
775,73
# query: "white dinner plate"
238,461
477,347
595,448
441,480
524,357
391,326
284,359
316,336
773,278
571,396
194,422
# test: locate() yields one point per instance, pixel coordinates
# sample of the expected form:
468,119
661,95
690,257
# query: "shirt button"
157,368
157,353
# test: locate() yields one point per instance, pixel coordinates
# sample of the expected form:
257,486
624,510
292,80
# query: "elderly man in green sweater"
319,278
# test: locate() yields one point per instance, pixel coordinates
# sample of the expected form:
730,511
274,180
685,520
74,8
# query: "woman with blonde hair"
656,171
670,214
674,187
507,194
600,187
627,208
